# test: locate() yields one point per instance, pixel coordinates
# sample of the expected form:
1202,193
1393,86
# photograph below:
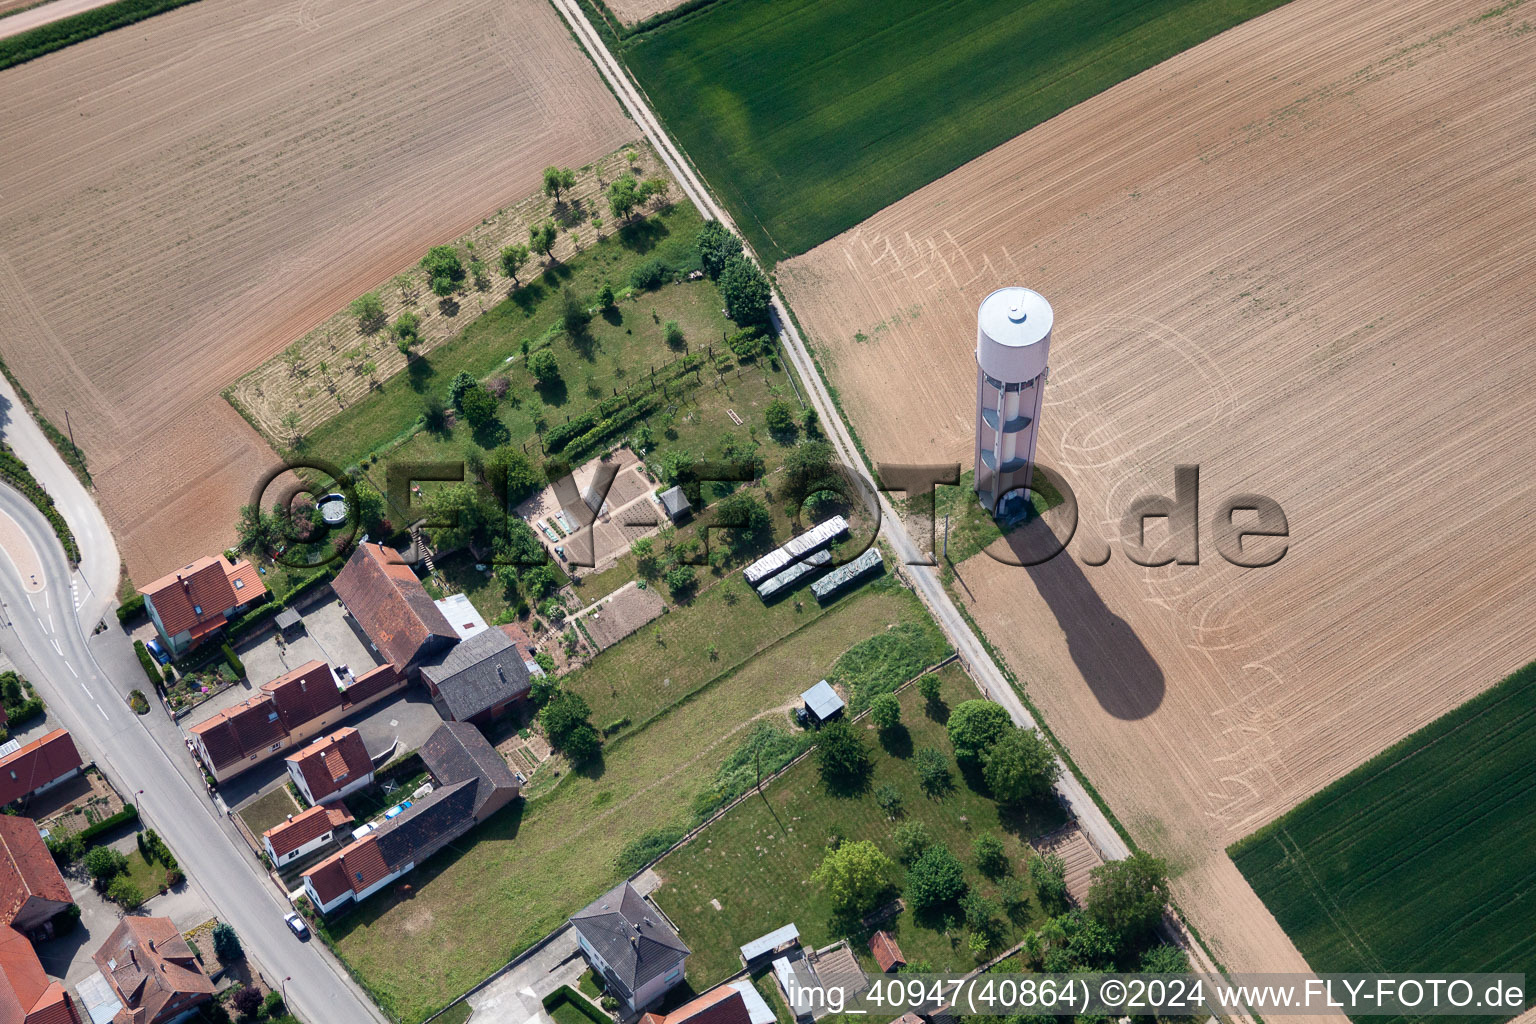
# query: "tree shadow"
528,297
593,767
491,434
418,372
849,786
448,306
1122,674
555,273
570,213
642,235
896,741
552,392
937,711
613,315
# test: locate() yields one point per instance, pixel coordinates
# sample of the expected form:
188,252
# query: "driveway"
517,996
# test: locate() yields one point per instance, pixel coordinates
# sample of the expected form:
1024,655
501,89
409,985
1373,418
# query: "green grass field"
807,116
1424,858
472,907
758,858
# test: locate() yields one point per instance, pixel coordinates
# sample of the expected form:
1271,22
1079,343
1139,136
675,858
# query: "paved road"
99,561
925,578
40,633
32,17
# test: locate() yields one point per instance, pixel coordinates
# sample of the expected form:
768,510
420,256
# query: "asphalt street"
42,635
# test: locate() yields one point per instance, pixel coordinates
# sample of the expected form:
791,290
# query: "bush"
975,726
226,944
885,710
935,880
369,310
174,877
479,406
932,769
150,668
273,1005
138,702
124,893
1048,877
841,757
888,798
543,366
131,609
247,1001
912,838
103,863
650,275
991,858
443,268
780,416
66,847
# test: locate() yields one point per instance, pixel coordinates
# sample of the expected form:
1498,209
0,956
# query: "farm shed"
776,941
822,704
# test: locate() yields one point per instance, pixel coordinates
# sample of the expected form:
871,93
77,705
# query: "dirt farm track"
1300,256
182,198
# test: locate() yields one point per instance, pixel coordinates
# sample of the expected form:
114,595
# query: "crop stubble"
181,199
1299,256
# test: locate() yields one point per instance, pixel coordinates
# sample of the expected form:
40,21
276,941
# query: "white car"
296,923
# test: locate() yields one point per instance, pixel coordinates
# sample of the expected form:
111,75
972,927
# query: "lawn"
807,116
1422,859
623,343
148,876
517,876
757,860
269,809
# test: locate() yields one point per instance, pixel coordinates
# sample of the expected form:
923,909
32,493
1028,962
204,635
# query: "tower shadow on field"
1124,676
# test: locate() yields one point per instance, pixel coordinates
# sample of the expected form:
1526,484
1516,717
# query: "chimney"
290,817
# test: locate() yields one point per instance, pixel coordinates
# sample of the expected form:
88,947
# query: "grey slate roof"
442,815
457,753
636,943
478,673
674,501
822,700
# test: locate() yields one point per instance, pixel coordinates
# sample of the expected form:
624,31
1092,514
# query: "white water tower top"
1013,334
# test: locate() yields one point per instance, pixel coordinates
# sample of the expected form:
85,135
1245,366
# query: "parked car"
296,923
157,652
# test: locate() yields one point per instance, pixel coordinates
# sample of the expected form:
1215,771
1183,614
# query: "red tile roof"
332,762
391,606
26,868
196,596
27,996
329,878
305,828
723,1005
304,694
149,965
240,730
37,764
373,682
882,946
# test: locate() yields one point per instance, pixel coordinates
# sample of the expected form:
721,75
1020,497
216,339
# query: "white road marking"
40,624
29,602
51,626
72,671
57,649
103,712
46,603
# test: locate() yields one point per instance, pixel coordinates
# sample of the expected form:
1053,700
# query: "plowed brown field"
1300,256
180,199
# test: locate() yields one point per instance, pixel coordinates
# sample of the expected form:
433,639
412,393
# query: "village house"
631,946
38,767
392,608
152,973
197,600
27,994
471,782
735,1002
287,712
479,679
303,833
32,891
331,768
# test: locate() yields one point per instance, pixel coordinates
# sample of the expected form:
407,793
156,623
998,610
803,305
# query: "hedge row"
25,46
16,473
150,668
235,664
24,712
128,813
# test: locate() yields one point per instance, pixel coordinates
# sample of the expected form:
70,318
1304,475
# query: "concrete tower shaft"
1013,341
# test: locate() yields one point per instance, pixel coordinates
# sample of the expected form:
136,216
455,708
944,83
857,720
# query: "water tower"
1013,341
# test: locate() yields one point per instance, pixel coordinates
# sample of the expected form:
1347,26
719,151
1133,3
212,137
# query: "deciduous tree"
855,876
